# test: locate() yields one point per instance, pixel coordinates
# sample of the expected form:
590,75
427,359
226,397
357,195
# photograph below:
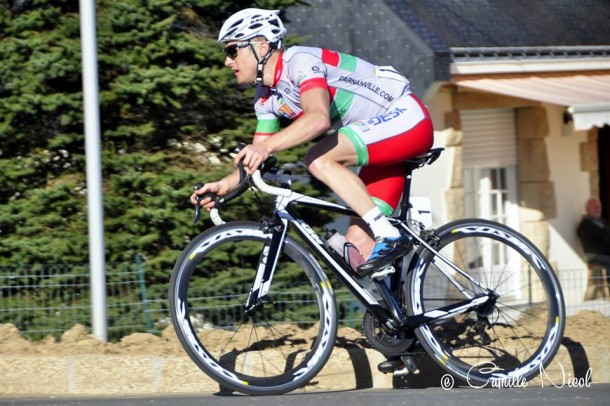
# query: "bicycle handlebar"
259,182
243,185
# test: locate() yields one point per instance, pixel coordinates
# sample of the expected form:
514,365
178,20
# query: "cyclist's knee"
316,164
319,157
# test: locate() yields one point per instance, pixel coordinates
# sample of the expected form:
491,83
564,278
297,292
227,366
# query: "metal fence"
46,300
43,300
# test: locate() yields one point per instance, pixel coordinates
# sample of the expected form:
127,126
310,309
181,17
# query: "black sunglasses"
231,50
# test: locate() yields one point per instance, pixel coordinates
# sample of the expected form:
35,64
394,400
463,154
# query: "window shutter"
489,138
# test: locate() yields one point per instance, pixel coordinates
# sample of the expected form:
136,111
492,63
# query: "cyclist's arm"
221,188
224,185
314,121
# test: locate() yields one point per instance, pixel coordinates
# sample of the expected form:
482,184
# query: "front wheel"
277,346
514,335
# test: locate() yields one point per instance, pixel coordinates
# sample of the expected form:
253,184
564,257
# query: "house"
519,92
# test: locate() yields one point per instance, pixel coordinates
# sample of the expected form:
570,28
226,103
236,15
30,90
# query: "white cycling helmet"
253,22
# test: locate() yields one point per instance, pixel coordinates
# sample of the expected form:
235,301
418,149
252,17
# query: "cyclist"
381,123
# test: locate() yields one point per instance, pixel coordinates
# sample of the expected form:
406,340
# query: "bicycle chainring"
387,344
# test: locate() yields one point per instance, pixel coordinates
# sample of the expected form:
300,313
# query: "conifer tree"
170,111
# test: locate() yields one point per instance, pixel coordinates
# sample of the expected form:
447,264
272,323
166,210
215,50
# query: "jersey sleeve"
268,122
267,125
307,71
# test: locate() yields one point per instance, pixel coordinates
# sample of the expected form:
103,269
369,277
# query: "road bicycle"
253,307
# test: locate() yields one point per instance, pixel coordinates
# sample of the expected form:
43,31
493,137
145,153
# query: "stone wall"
537,197
454,196
589,161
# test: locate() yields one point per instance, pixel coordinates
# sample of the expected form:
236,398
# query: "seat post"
410,165
405,204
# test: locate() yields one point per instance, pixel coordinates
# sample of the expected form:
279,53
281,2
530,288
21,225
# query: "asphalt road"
596,394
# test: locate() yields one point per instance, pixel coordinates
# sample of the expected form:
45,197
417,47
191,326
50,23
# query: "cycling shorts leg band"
359,144
385,184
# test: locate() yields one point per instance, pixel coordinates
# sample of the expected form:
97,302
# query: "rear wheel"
511,338
278,346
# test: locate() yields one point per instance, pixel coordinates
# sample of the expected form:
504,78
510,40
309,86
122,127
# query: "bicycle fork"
266,267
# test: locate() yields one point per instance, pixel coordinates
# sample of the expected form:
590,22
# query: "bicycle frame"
392,315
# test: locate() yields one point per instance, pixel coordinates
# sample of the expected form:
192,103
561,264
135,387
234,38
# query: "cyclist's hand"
252,156
207,202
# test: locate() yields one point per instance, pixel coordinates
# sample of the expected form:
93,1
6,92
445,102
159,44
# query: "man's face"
241,60
594,208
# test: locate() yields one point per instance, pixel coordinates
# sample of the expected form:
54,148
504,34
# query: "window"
489,151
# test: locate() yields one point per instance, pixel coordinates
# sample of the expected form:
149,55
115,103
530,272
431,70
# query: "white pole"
94,169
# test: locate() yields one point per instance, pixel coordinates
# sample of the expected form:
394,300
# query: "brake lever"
244,182
199,198
240,165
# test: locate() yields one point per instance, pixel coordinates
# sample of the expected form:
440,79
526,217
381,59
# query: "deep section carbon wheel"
278,344
518,330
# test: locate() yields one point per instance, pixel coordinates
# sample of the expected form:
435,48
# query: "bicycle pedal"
390,366
408,367
410,364
383,272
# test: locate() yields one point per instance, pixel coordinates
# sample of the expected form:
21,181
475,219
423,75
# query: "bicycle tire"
280,347
523,332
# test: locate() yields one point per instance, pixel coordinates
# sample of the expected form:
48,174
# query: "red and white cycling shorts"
385,141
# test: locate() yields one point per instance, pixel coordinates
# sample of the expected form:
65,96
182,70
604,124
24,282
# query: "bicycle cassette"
390,345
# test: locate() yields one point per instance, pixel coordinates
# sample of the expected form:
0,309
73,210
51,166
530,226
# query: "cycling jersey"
358,89
374,105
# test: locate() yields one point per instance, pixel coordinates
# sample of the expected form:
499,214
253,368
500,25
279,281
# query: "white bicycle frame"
392,313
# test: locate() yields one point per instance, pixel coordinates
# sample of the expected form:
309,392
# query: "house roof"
533,37
507,28
433,41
